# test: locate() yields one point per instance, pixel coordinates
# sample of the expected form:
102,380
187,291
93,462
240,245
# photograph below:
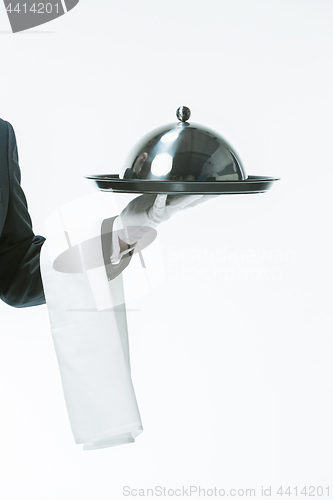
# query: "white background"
232,355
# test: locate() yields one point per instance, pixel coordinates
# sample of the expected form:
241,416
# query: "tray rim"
115,177
254,183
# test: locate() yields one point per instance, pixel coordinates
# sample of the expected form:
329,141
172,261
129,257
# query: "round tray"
253,184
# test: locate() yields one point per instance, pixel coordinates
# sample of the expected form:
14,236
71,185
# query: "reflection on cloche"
183,152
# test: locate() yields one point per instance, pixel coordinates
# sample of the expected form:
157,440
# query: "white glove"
150,210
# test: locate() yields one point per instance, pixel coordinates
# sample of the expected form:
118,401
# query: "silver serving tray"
253,184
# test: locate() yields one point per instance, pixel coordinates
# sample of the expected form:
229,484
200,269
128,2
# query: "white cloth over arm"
91,343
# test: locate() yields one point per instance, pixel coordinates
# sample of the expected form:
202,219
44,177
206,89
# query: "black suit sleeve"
20,278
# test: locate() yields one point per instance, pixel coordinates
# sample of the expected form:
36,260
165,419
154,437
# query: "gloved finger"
180,202
139,205
160,202
203,199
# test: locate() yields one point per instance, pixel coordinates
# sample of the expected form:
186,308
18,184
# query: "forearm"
20,278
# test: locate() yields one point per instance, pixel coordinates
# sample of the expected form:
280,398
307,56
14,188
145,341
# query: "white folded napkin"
91,341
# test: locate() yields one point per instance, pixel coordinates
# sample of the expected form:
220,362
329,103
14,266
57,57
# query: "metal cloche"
183,152
186,158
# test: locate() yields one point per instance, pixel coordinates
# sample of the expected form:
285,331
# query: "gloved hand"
150,210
